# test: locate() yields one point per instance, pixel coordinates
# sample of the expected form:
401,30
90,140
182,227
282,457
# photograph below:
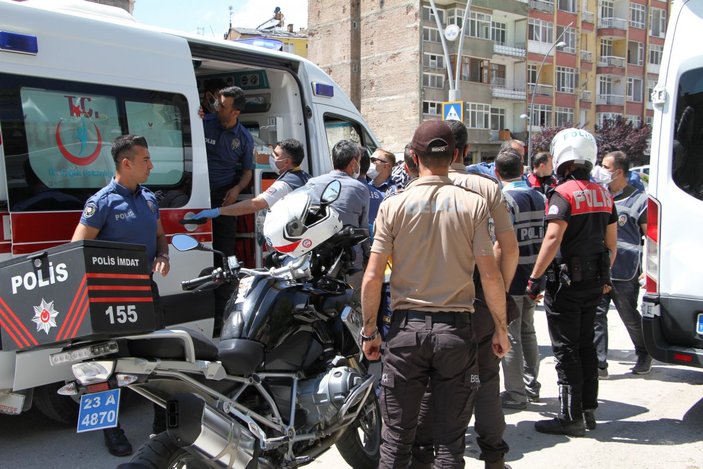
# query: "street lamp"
557,44
450,34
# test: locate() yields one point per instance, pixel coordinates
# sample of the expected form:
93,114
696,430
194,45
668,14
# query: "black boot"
116,442
557,426
589,417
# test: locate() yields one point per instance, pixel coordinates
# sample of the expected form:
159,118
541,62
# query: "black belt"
444,317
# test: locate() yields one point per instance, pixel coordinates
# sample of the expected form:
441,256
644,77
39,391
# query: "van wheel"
62,409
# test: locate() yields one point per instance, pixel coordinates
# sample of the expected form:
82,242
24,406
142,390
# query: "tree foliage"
614,134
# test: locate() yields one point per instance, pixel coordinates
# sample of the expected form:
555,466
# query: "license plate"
98,411
699,329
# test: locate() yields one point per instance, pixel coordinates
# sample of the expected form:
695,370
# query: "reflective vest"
627,262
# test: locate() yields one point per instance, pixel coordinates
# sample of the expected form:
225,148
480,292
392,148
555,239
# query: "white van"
673,303
74,75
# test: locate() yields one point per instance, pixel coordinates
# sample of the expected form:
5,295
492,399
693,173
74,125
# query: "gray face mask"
372,173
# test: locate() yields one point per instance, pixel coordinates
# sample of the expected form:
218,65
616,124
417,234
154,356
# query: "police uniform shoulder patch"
151,205
89,210
622,219
553,210
235,143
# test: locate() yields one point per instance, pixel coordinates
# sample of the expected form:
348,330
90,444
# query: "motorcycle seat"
170,348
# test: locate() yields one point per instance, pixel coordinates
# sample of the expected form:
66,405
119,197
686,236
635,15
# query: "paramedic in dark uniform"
286,160
125,211
430,339
229,147
578,250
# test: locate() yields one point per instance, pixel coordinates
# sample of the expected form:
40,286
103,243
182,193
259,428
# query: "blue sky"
211,17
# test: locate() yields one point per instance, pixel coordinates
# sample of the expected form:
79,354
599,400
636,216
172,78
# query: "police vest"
294,178
627,262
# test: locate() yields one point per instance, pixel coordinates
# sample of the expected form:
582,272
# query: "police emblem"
89,210
151,205
622,219
553,210
45,316
235,143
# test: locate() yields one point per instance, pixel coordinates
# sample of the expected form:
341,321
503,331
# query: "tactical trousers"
418,353
571,314
521,363
224,239
624,294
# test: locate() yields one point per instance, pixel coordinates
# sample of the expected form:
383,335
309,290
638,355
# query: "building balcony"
542,5
500,90
612,23
588,16
612,99
586,56
518,50
611,61
586,95
652,68
541,90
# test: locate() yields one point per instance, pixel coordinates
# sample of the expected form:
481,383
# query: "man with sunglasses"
379,179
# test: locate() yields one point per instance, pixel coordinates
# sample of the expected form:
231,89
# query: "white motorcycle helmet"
296,224
577,145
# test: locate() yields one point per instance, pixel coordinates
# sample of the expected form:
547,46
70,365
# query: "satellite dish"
451,32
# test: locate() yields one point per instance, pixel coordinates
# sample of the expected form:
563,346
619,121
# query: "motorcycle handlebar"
192,284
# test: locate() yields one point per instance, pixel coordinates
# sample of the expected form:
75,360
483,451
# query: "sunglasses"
378,160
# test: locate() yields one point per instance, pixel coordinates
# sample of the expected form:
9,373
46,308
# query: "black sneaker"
507,403
116,442
643,365
557,426
589,418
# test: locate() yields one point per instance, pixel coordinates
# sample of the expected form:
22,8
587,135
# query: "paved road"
655,421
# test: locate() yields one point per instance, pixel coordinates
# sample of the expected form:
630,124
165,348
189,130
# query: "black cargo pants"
420,350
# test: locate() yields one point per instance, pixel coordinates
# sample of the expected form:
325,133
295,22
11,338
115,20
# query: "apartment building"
524,64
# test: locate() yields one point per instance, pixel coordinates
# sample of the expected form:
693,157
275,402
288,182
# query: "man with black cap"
430,339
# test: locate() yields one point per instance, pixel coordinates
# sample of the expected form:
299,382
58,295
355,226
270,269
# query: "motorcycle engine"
321,397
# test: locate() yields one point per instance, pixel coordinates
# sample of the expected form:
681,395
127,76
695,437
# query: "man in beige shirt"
432,294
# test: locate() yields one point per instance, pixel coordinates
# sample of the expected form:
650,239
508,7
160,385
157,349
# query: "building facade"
523,62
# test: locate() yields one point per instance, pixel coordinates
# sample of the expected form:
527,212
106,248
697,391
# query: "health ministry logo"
78,107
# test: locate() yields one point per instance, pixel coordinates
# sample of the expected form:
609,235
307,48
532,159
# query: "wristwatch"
368,338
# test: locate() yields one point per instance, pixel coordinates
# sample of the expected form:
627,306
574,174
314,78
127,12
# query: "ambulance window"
339,128
687,165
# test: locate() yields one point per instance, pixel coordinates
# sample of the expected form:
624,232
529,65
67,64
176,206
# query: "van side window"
687,167
339,128
57,137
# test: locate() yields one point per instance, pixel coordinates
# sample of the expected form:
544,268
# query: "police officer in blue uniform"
125,211
581,234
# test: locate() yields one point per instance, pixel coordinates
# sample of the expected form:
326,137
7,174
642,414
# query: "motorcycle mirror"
331,192
183,242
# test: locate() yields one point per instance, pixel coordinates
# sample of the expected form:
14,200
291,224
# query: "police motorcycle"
284,383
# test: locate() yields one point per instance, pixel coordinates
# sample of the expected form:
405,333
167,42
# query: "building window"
605,85
430,34
428,15
479,25
433,61
431,108
657,22
655,54
498,32
634,89
638,15
650,88
601,117
607,10
542,115
478,115
432,80
635,53
567,5
476,70
540,31
569,37
635,120
564,117
566,79
497,118
606,47
531,73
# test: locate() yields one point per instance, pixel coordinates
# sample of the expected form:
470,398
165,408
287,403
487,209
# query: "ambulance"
73,76
672,306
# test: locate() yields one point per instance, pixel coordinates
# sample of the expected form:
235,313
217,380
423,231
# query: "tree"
621,134
614,134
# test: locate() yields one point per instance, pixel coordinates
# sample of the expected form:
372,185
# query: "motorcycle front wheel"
160,453
360,445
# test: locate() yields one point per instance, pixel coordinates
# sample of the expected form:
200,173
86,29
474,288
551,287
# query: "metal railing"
586,95
542,5
613,99
615,23
588,16
611,61
541,90
518,50
501,91
586,56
